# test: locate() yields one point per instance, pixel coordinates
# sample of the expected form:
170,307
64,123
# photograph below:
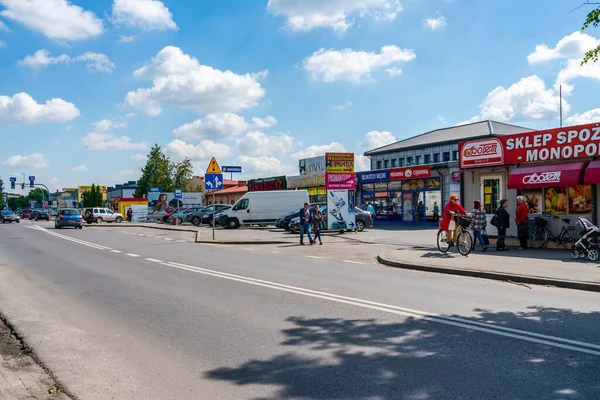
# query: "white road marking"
69,238
133,255
276,252
116,251
249,248
312,257
351,262
574,345
154,260
169,239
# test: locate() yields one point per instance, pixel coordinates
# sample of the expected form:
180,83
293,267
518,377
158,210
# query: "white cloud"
526,100
261,166
435,23
139,157
143,14
127,38
573,69
3,27
264,123
23,109
79,168
361,163
53,181
106,125
353,66
394,71
376,139
256,143
212,126
588,117
206,148
441,119
180,80
56,19
125,175
34,160
341,107
339,15
43,58
314,151
106,141
572,46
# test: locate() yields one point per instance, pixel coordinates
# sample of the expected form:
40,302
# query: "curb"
499,276
140,226
241,242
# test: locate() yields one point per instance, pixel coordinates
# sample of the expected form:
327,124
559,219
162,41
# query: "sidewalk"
541,267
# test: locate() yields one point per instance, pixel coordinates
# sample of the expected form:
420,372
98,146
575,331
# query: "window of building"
393,163
446,156
427,158
386,164
379,164
417,160
409,161
455,155
401,162
436,157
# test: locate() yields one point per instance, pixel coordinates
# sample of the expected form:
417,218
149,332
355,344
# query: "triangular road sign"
213,167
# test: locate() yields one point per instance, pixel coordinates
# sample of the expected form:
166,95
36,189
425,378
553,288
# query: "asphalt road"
122,316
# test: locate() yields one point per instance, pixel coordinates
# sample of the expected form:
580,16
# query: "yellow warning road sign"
213,167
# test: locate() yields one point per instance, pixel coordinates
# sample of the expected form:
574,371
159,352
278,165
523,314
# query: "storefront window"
395,186
401,162
555,200
381,187
433,183
393,163
533,198
386,163
427,158
368,187
433,202
491,195
580,199
436,157
413,184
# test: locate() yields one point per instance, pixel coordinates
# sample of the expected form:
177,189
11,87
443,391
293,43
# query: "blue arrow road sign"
213,181
13,179
231,168
32,178
178,193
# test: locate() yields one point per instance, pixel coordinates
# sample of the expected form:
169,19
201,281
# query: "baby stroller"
587,244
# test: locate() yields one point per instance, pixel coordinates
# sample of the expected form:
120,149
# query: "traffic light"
31,184
12,185
23,186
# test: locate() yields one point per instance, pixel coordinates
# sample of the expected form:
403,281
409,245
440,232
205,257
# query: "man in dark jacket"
503,224
305,218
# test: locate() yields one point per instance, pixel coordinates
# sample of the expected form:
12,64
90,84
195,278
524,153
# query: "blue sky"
87,86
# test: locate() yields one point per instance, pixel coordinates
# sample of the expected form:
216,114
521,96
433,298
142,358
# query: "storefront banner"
341,181
310,166
305,181
266,184
340,210
541,176
410,173
374,176
456,176
339,162
573,142
407,206
139,213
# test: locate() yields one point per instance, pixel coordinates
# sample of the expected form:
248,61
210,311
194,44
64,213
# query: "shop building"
231,192
311,177
415,175
557,170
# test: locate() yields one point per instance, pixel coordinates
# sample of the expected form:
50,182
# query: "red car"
25,213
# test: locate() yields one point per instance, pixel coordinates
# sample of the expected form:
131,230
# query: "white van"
263,208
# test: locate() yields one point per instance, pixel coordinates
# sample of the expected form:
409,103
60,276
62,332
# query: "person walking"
479,223
452,209
305,218
317,218
522,220
503,223
371,210
436,211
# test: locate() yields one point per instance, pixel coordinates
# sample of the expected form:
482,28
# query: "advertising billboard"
397,174
160,204
306,181
340,207
265,184
310,166
339,162
341,181
82,189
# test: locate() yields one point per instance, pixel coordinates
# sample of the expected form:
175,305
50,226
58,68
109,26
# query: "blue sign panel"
13,179
213,181
32,178
178,193
153,189
374,176
231,168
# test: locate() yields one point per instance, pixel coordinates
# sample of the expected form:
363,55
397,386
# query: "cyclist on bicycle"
451,211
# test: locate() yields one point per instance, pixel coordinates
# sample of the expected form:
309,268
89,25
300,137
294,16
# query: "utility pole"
560,103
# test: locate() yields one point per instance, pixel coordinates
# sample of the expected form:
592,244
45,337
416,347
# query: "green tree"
93,197
38,195
182,174
2,205
156,173
593,19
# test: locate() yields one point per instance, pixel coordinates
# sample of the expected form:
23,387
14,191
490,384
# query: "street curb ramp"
499,276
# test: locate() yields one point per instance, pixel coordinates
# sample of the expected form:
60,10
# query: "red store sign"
410,173
568,143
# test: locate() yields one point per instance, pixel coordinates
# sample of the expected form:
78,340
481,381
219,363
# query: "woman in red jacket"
522,220
452,209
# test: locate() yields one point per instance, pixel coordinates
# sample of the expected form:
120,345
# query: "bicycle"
464,239
542,233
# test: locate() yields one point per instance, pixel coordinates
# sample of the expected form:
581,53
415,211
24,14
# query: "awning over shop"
592,173
541,176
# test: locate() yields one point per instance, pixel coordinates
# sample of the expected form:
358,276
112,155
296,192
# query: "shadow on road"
332,358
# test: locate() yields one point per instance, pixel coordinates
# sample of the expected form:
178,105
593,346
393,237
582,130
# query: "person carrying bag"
501,220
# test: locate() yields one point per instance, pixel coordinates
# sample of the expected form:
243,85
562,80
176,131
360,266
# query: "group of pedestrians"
310,222
501,220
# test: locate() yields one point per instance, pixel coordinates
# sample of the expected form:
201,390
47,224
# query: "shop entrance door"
419,206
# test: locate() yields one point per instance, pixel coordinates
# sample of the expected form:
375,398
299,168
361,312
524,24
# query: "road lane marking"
249,248
154,260
351,262
312,257
276,252
116,251
72,239
133,255
554,341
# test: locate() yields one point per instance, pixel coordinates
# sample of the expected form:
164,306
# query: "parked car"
284,220
68,217
197,211
363,220
9,216
207,218
263,208
197,217
25,213
42,215
33,213
100,214
220,217
180,214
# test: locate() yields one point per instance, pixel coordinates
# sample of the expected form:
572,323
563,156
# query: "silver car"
9,216
100,214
